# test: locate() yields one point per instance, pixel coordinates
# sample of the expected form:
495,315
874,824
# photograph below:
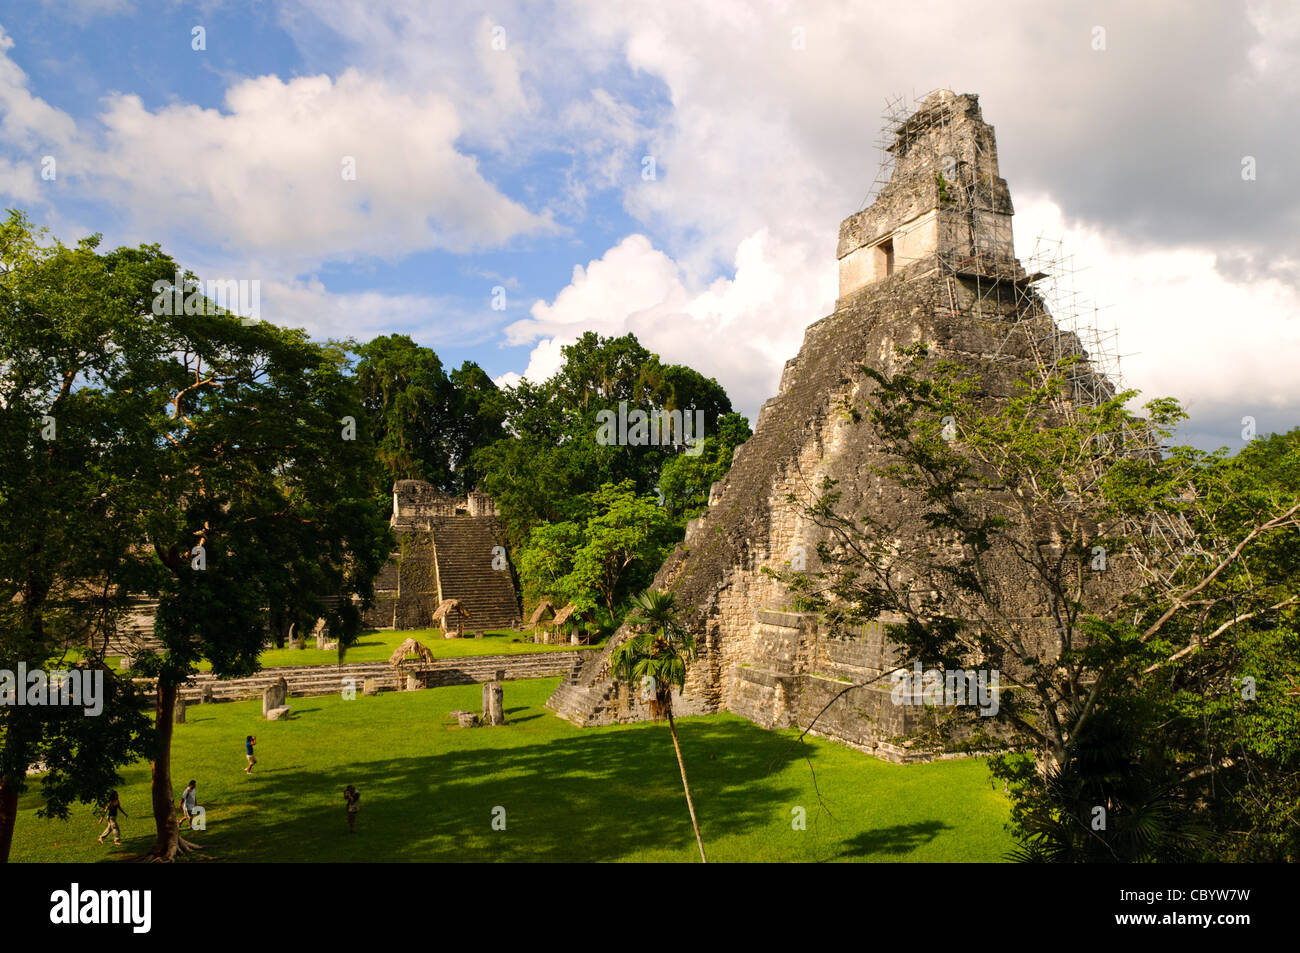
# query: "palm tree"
656,658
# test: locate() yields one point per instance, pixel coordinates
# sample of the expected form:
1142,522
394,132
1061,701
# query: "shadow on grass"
899,839
593,796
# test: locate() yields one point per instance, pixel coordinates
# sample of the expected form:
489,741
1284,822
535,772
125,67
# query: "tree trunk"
8,816
169,842
690,806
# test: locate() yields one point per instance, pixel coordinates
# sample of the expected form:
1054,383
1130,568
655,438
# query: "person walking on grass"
353,798
110,815
188,805
248,750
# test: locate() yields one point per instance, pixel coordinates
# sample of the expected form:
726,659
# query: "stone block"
274,696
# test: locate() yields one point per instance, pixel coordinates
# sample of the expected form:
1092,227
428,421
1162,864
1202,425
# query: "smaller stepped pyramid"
448,548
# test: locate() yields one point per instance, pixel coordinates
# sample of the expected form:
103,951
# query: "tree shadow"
595,795
896,840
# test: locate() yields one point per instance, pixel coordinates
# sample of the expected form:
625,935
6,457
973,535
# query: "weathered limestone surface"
274,696
776,667
493,710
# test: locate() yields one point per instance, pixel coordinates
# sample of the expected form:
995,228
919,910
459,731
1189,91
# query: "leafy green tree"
551,457
69,526
685,479
1118,589
546,563
259,492
409,404
477,420
624,542
653,660
597,561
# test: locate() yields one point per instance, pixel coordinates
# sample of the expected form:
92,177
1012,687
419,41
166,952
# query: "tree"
625,540
69,525
410,406
546,563
685,480
554,454
1051,539
477,421
258,493
597,560
654,659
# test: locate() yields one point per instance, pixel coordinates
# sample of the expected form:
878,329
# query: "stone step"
328,679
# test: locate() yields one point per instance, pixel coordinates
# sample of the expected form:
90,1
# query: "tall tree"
259,493
598,560
554,453
653,661
477,420
69,527
410,406
686,479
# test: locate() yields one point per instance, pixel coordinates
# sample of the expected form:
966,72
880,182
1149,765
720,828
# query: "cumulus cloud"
739,329
1139,145
273,172
296,171
763,121
1226,350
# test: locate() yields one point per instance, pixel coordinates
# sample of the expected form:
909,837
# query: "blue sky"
74,58
506,146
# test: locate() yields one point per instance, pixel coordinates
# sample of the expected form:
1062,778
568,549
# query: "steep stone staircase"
463,549
585,697
134,635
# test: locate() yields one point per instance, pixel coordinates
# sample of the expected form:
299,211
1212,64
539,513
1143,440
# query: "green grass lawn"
595,794
378,646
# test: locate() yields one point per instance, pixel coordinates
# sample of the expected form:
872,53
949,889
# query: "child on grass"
353,798
110,815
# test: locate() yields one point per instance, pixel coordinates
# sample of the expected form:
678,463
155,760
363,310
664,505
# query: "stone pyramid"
930,260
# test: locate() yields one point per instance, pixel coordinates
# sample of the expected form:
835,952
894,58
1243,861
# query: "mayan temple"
448,548
931,260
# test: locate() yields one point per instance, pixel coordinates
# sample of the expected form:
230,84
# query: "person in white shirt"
188,804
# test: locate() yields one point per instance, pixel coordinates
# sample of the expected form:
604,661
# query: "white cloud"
432,320
265,176
740,330
1184,330
27,121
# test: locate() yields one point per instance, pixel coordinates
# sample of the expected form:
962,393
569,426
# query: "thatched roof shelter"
408,647
447,607
542,608
567,614
451,614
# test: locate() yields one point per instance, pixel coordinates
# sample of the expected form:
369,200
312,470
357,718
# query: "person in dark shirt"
110,815
353,798
248,750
